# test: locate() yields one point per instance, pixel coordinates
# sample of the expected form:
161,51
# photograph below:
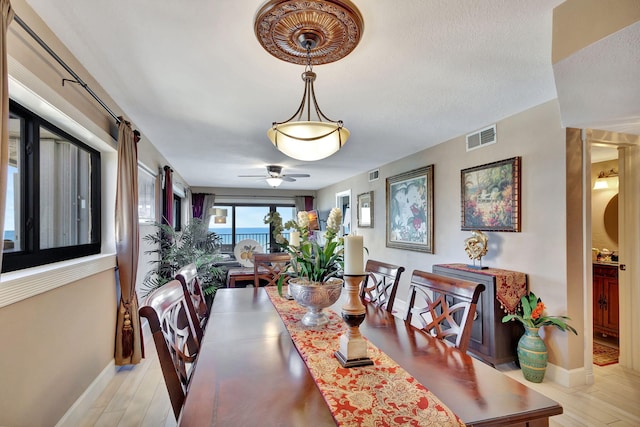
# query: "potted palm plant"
175,249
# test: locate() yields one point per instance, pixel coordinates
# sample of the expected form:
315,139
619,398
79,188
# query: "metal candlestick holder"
353,347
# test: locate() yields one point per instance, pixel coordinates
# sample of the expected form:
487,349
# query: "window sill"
22,284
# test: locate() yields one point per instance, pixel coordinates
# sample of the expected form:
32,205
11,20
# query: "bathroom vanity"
606,319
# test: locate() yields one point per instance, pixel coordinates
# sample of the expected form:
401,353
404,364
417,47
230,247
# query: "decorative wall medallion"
334,27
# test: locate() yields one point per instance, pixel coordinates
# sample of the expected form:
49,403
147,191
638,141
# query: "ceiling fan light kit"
275,177
309,32
274,182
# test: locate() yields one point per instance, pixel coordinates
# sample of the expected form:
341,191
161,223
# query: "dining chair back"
445,307
381,283
269,267
175,338
188,277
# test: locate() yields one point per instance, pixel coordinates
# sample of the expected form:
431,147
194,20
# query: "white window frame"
146,194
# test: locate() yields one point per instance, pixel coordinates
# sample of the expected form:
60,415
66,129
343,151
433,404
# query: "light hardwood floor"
613,400
136,396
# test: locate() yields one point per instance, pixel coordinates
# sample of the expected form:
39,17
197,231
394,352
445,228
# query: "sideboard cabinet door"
491,341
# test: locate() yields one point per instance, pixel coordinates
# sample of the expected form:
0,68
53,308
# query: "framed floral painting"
491,196
410,210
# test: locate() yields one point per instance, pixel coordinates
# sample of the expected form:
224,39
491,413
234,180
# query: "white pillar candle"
295,239
353,254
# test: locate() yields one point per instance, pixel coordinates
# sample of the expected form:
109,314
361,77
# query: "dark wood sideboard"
491,341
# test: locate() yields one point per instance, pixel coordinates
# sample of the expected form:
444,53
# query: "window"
177,212
146,195
245,221
53,194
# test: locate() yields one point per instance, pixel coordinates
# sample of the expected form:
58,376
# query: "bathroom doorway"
605,253
628,268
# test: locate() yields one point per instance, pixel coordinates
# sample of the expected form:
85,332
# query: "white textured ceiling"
599,86
194,80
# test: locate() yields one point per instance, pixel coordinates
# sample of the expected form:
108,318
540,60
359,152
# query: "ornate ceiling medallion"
285,27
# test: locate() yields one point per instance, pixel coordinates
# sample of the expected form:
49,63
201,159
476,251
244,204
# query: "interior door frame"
341,196
629,248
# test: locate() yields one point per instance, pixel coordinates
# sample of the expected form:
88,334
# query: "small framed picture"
365,210
490,196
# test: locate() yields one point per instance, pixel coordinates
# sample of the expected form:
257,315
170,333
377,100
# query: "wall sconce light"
606,180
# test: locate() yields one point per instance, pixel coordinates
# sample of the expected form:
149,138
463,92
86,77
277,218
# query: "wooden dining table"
249,372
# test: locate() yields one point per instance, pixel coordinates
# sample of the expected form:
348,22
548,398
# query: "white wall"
539,250
57,321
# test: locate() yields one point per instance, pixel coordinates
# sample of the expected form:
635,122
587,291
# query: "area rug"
604,355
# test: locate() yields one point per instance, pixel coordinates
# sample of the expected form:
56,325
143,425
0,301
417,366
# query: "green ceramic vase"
533,355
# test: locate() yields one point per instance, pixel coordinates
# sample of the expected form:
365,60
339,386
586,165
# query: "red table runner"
511,286
383,394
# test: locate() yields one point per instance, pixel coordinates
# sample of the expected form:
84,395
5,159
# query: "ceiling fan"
274,176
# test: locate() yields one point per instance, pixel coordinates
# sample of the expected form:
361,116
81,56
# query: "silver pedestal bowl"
315,296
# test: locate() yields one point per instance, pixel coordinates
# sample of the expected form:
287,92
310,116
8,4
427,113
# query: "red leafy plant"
531,314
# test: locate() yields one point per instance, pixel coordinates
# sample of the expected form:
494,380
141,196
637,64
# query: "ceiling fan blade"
251,176
287,178
298,175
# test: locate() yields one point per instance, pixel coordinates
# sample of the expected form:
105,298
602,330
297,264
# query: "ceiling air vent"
374,175
486,136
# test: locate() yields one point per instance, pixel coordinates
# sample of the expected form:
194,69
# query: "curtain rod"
257,197
77,78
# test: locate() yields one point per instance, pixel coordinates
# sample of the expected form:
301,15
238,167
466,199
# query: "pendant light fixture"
300,137
219,215
309,32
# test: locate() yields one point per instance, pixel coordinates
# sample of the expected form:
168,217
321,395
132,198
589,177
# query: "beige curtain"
189,197
7,16
128,335
158,198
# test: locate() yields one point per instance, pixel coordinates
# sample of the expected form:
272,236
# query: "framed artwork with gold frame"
490,195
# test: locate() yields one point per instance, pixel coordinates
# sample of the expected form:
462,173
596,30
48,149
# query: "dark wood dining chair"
445,307
269,267
455,363
381,283
188,277
175,337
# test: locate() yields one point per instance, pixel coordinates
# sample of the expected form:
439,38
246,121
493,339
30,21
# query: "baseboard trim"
81,406
76,413
568,377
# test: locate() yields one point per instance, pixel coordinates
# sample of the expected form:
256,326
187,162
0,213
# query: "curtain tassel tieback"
127,332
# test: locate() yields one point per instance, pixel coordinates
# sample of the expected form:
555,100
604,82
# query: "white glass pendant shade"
219,219
308,140
274,182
